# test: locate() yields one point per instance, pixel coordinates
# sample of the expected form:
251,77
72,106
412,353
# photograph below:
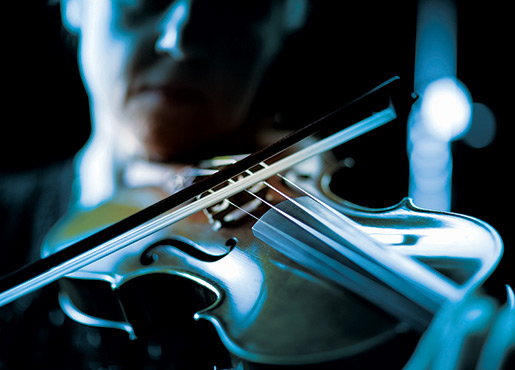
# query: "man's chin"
180,132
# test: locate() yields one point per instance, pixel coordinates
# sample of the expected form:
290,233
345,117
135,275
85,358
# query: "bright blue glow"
446,108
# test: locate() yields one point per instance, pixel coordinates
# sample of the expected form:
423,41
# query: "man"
171,81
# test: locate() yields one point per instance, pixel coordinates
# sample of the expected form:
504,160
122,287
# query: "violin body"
265,307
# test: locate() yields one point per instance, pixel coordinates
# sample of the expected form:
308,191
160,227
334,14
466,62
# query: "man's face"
177,75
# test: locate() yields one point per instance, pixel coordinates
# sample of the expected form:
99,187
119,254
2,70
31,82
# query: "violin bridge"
236,209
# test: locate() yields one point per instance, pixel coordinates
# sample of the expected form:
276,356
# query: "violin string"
285,196
270,186
289,198
282,213
302,190
262,200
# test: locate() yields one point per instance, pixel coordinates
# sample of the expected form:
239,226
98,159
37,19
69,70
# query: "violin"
286,271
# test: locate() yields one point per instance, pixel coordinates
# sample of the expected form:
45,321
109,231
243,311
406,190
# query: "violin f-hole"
187,246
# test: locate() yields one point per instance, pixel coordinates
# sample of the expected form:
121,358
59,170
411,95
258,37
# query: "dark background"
344,51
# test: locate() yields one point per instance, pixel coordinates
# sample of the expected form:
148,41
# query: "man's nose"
171,30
